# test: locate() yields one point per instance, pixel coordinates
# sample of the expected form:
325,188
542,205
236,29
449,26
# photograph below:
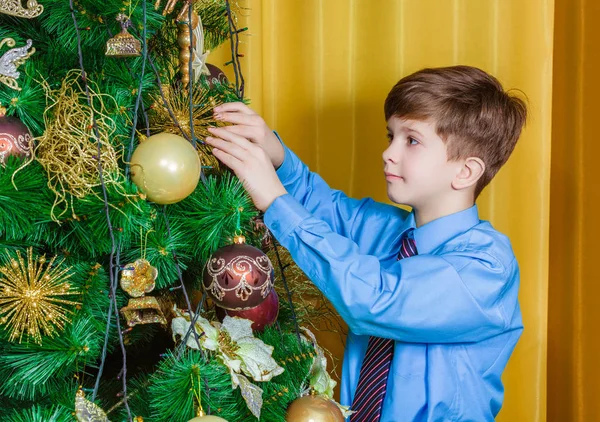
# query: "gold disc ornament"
166,168
314,408
207,418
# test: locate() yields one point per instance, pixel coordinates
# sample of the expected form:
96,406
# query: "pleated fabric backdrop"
574,343
319,70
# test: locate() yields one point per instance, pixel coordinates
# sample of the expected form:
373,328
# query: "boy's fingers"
231,137
228,147
237,118
248,132
227,159
238,107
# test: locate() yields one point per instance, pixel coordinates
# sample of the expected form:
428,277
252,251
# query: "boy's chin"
398,199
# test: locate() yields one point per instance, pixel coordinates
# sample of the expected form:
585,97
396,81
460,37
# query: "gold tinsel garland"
68,149
32,296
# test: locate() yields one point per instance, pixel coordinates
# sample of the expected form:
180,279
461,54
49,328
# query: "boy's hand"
248,124
250,163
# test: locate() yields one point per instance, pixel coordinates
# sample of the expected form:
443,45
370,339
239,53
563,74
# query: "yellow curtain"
319,70
574,294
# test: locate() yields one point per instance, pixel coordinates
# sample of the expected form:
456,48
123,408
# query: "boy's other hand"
250,163
248,124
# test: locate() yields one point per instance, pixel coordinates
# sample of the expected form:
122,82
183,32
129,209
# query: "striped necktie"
372,381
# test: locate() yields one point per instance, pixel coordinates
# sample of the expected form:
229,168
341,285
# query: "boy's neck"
427,213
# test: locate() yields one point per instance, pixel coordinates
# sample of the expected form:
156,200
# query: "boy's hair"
471,111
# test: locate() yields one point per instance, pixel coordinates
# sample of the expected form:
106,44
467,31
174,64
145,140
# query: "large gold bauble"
166,168
207,418
313,409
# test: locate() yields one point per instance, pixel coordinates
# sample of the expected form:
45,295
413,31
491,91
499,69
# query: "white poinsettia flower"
235,345
256,356
320,380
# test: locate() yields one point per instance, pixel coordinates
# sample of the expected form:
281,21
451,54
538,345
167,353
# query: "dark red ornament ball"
261,316
15,138
238,277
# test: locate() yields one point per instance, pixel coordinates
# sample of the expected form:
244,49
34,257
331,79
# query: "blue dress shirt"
452,310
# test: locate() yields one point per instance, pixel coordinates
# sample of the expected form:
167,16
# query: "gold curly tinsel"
69,150
32,296
177,100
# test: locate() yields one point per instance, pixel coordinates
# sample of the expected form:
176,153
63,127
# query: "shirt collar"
437,232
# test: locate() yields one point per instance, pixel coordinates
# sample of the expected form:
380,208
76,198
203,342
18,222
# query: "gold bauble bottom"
207,418
314,409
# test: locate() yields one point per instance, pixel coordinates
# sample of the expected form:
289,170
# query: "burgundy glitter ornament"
215,73
261,316
238,277
15,138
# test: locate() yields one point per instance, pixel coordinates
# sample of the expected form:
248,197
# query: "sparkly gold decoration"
143,310
12,59
32,297
170,6
123,44
15,8
138,278
177,100
87,411
68,149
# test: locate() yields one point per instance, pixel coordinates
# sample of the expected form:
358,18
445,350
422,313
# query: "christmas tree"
136,278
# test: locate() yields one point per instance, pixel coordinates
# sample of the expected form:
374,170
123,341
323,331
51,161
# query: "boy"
430,297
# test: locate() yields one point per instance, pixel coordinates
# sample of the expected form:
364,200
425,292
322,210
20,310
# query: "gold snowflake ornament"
32,297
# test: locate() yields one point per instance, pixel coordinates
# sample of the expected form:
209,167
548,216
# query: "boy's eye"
390,137
412,141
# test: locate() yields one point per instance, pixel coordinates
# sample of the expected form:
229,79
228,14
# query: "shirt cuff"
284,215
286,169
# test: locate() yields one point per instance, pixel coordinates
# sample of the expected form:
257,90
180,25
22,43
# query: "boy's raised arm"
332,206
463,296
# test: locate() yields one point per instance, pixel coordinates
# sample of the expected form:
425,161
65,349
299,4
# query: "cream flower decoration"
235,345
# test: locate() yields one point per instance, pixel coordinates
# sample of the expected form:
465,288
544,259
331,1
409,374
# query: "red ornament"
15,138
238,277
215,73
261,316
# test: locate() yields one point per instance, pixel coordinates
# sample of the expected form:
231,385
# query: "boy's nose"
389,155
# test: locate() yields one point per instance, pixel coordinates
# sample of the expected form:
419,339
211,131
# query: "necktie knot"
408,247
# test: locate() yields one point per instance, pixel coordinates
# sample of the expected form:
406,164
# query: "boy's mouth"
391,176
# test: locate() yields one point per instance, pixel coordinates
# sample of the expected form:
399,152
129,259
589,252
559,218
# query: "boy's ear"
470,172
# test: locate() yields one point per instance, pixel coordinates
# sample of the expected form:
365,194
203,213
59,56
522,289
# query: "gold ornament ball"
166,168
313,409
207,418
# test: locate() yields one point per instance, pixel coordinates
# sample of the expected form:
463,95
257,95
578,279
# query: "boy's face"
416,166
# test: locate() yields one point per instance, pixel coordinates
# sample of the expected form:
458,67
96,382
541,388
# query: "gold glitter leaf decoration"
15,8
138,278
32,296
87,411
